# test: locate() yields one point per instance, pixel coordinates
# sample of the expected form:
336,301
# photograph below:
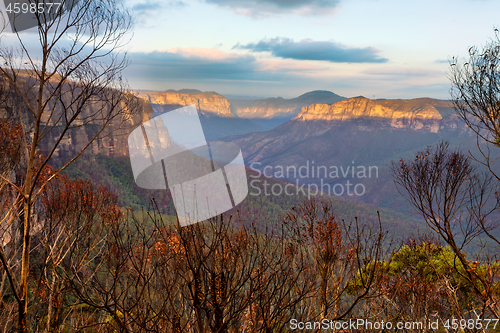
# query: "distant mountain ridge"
347,133
216,117
282,108
208,103
218,121
185,91
419,113
352,133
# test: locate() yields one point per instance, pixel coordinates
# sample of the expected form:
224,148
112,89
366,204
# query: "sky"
374,48
270,48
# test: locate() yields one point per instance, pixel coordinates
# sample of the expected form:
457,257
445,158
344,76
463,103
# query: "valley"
343,150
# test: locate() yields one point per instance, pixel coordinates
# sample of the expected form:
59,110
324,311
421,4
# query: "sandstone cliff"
208,103
420,113
88,121
280,107
114,144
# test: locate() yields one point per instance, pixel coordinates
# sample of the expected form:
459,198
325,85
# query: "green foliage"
427,260
115,173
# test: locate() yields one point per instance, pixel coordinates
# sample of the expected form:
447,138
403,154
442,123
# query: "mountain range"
215,113
333,144
276,111
419,113
343,147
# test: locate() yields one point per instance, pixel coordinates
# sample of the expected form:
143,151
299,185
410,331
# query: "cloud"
210,69
214,70
265,7
144,9
198,64
397,71
313,50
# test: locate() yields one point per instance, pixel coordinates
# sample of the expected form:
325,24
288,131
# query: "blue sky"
374,48
381,49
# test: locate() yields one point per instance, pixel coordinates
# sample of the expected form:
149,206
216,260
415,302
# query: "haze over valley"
318,130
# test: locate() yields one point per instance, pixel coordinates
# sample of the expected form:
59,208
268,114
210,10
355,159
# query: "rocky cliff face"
114,144
127,113
282,108
356,133
208,103
212,106
420,113
267,111
218,121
